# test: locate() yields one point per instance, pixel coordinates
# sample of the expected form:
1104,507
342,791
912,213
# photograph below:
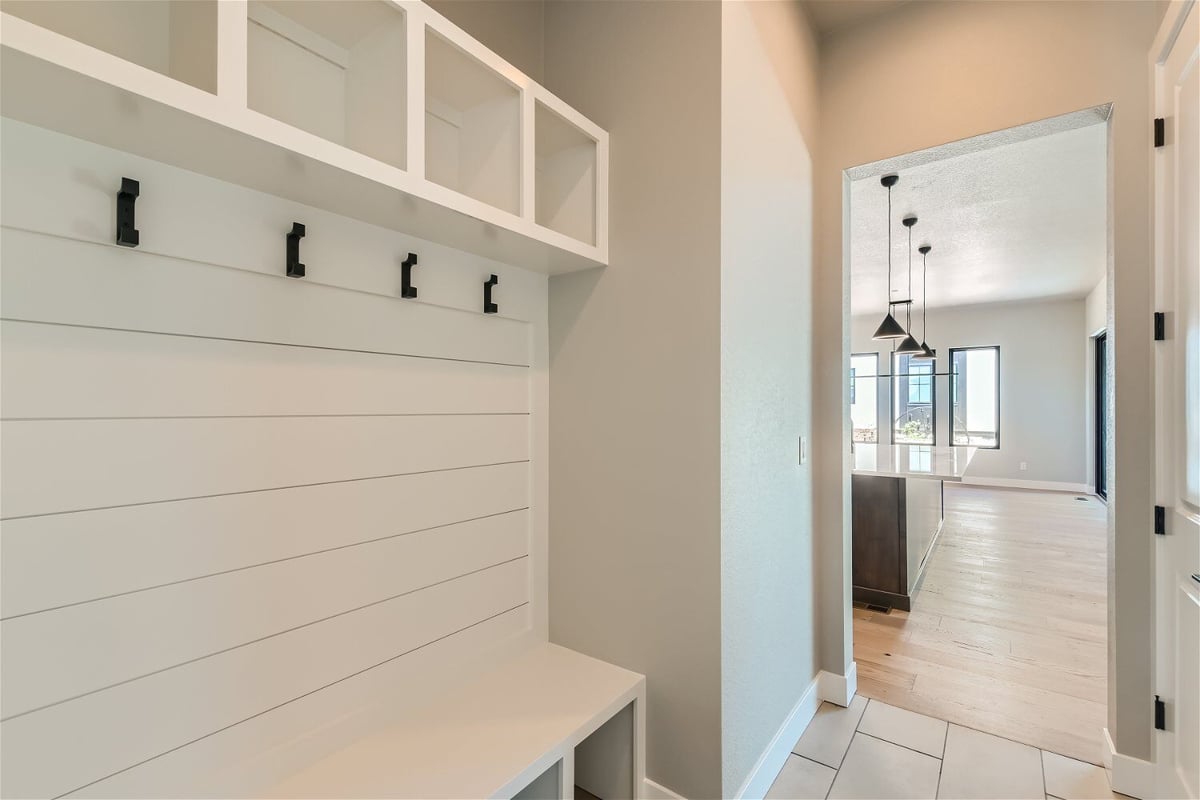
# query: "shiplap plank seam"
264,564
176,294
265,342
263,489
294,699
258,639
225,533
162,710
144,251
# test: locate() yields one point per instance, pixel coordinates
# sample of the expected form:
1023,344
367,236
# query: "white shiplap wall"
240,508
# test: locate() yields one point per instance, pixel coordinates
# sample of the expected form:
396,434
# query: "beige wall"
931,73
635,375
768,117
512,28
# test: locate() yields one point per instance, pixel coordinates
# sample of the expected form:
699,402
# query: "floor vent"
873,607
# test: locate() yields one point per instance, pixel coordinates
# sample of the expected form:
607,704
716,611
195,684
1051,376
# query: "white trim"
766,770
656,791
1011,483
1131,776
838,689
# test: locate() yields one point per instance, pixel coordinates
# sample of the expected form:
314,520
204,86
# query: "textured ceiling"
834,15
1019,221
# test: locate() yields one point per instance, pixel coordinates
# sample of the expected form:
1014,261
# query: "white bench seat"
488,737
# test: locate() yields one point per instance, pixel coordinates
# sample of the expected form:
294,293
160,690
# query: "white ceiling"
1016,222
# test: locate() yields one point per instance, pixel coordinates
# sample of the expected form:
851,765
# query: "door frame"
1100,442
1175,592
1130,553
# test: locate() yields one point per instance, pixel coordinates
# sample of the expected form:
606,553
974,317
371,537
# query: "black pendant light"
909,346
889,328
926,353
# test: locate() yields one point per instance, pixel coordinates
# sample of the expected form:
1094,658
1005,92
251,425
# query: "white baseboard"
1132,776
838,689
1012,483
656,791
766,770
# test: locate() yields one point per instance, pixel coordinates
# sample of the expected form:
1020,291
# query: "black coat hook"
488,306
406,287
294,268
127,234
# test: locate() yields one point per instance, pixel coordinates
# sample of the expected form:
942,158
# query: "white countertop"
911,461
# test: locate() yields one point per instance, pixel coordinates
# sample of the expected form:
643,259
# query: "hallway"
1008,633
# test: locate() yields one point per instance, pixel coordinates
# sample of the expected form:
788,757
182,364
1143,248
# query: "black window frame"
953,398
933,400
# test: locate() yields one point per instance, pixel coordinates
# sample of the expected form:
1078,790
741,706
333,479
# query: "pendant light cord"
888,306
910,227
924,298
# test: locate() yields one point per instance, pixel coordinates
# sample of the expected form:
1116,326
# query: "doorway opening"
980,561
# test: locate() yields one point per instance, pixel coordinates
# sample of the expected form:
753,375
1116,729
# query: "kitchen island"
898,510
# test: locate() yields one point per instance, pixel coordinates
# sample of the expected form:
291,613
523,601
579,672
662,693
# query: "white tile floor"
874,751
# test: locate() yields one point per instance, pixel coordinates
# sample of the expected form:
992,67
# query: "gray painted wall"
1040,60
635,375
768,111
1043,396
635,372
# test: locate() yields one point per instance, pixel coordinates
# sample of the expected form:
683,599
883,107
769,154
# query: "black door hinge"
1160,521
1160,714
1160,326
1160,131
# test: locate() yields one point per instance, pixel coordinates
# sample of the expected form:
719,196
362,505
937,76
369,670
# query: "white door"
1177,396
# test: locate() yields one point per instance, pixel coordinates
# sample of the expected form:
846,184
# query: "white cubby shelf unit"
380,110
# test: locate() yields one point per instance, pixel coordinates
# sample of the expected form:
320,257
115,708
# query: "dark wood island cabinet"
897,502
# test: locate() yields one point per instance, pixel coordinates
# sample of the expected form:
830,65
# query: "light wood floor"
1008,634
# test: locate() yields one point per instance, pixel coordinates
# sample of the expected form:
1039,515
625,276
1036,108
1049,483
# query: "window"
975,396
914,392
864,397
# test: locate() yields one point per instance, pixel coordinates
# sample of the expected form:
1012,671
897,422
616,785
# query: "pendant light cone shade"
925,355
889,328
909,347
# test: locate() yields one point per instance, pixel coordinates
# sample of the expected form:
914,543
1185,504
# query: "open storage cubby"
177,38
472,126
604,761
544,786
380,110
565,176
335,68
